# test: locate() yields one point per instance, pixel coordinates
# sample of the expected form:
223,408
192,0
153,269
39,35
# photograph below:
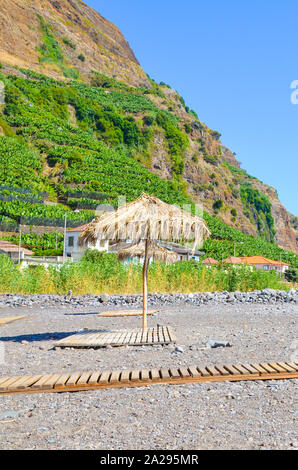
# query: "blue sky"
233,62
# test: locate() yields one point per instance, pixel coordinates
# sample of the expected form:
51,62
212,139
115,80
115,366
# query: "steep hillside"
85,40
95,127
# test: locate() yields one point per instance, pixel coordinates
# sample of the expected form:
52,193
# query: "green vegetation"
45,245
69,43
237,171
51,52
259,207
115,126
291,274
177,141
217,205
103,273
212,159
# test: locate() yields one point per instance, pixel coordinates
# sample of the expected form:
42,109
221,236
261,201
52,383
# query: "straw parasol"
147,218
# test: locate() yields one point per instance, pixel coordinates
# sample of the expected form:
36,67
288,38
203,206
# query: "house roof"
210,261
233,260
81,228
9,247
262,260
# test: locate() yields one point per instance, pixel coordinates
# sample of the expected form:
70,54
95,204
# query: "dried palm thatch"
148,218
158,253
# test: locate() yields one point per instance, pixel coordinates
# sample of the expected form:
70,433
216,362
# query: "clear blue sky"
233,62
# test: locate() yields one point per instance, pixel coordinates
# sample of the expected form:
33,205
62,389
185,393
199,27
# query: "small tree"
291,274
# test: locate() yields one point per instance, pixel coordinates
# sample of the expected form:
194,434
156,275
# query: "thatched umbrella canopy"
147,218
155,251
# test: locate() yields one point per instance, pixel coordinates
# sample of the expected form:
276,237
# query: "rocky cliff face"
67,39
80,31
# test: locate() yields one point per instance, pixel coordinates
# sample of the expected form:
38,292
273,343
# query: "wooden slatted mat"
136,337
5,320
125,313
88,380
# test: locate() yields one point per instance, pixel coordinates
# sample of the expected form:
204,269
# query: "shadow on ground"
56,335
81,313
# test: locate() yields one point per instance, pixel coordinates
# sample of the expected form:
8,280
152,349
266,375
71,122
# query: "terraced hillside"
69,146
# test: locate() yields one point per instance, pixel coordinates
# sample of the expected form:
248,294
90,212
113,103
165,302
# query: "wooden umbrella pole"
145,288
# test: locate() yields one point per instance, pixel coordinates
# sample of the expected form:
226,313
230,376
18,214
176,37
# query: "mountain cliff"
73,87
86,39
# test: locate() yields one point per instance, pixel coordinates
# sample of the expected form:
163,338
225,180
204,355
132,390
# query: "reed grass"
107,275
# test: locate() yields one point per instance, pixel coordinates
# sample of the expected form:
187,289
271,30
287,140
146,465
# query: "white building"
72,248
15,252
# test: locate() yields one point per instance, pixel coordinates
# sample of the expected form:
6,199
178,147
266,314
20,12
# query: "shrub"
212,159
217,205
81,57
291,274
69,43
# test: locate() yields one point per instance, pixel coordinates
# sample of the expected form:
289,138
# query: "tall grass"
106,274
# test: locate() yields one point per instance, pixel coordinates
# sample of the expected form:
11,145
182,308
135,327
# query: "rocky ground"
49,300
240,415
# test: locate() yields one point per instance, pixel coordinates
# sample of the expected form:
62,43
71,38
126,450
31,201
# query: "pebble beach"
227,415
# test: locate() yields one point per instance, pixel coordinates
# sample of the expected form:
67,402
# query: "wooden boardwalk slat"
83,380
145,374
73,379
141,377
104,378
133,338
222,371
268,368
165,373
204,372
286,367
4,379
139,336
194,371
115,376
125,374
42,382
8,382
62,380
241,369
155,336
259,368
213,371
6,320
24,382
276,367
251,369
94,378
175,373
294,366
232,370
184,372
125,313
135,376
136,337
155,374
